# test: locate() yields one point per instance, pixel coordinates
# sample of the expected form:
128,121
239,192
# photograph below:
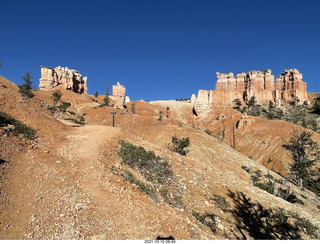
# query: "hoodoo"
71,79
288,87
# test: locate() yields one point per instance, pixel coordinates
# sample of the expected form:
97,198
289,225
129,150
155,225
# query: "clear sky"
164,49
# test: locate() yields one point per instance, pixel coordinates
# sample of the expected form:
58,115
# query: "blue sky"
159,49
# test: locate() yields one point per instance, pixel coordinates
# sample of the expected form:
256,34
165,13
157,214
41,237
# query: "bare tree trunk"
234,138
301,184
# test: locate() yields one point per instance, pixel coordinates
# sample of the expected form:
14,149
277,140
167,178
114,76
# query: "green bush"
179,145
151,166
19,127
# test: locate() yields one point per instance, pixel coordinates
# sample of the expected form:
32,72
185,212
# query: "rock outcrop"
288,87
69,78
119,95
244,122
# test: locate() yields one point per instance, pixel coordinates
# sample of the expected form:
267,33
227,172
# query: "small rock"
220,226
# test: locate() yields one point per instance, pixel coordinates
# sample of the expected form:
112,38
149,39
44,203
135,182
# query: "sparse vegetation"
297,113
133,108
56,97
63,107
316,105
25,89
179,145
246,168
146,188
305,225
262,223
152,167
206,219
277,187
220,201
80,120
18,127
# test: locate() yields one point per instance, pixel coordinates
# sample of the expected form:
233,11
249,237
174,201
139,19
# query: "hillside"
70,183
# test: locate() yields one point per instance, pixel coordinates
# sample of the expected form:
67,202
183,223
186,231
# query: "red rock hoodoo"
69,78
288,87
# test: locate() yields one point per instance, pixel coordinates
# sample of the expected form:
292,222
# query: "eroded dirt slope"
69,183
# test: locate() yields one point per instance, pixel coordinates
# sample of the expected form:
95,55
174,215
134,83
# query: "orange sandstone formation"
289,86
69,78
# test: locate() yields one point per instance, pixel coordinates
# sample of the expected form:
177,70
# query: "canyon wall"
69,78
288,87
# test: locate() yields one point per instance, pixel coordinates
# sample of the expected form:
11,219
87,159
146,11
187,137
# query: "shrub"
246,168
220,201
179,145
146,188
19,127
207,220
63,106
71,112
80,120
151,166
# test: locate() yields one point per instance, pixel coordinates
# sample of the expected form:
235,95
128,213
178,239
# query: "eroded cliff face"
71,79
288,87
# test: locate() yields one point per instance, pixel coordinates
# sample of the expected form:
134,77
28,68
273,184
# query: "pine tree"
304,153
106,99
26,86
56,97
96,94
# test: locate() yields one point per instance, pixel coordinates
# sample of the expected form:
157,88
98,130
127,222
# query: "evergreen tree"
26,86
106,99
237,103
304,154
56,97
96,94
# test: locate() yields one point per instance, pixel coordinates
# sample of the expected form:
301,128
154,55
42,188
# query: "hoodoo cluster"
244,86
69,78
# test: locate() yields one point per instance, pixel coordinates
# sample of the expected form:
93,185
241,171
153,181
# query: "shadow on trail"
259,222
